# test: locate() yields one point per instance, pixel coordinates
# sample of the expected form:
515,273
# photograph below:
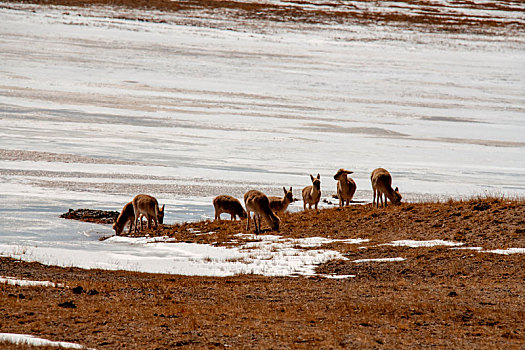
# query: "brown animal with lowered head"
345,186
257,202
149,207
126,215
279,205
382,184
312,193
228,204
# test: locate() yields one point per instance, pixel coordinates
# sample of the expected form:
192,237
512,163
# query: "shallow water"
94,110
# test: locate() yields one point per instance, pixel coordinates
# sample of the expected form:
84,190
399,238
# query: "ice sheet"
96,109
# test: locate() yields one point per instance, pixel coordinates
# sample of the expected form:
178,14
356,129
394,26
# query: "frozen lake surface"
95,109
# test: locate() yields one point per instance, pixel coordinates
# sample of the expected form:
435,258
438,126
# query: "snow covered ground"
95,109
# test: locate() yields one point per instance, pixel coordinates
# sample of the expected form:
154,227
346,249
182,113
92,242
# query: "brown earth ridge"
437,297
456,16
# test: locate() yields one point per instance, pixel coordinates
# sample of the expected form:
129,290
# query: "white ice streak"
308,242
13,281
419,244
507,251
27,339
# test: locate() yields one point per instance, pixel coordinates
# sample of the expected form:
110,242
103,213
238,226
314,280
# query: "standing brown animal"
149,207
382,184
126,215
279,205
257,202
345,186
312,193
228,204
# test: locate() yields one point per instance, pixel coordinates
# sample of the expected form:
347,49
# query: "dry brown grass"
488,222
437,297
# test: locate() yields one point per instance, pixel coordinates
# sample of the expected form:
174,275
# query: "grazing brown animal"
228,204
279,205
345,186
126,215
382,184
257,202
149,207
312,193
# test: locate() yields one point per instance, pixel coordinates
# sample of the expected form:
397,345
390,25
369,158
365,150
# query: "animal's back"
256,200
127,211
275,203
306,192
381,178
227,204
145,203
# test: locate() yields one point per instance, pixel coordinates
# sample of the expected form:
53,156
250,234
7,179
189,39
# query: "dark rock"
78,290
92,215
68,305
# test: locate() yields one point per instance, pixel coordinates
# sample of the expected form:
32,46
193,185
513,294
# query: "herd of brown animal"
264,207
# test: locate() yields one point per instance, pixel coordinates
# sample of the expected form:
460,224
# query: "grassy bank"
436,296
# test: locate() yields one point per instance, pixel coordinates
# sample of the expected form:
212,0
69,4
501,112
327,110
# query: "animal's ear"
163,207
318,177
284,189
397,189
290,188
311,177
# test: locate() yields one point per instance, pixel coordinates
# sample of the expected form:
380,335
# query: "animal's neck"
389,191
268,215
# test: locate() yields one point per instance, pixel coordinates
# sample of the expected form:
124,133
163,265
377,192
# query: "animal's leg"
137,215
257,221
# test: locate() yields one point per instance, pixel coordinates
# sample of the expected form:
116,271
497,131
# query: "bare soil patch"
437,297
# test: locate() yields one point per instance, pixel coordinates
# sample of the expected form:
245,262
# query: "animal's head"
341,174
397,197
160,215
316,181
118,229
288,194
243,214
275,224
